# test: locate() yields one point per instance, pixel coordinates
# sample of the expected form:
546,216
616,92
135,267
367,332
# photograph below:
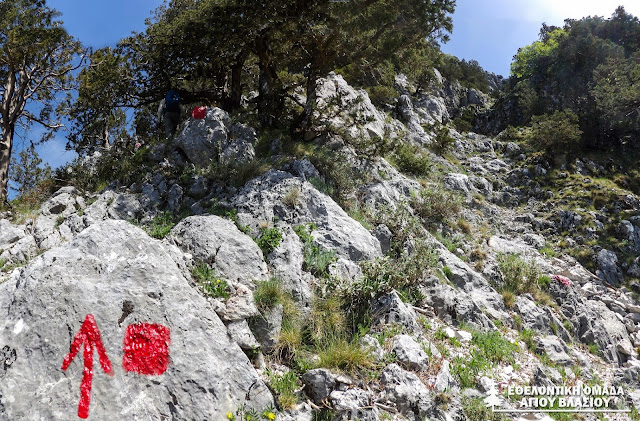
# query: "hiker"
170,110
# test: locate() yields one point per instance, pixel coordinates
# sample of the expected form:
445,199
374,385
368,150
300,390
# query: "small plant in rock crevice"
316,258
269,239
208,281
285,386
161,225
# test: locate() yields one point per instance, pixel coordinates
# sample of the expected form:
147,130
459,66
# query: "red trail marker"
90,336
146,349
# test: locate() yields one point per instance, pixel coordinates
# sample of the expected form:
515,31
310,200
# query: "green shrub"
464,122
467,370
526,336
404,274
556,133
489,349
381,95
410,159
321,185
237,174
345,355
518,275
208,281
269,239
443,141
328,319
475,409
434,204
494,347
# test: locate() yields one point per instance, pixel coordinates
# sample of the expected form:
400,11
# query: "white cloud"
554,12
576,9
53,152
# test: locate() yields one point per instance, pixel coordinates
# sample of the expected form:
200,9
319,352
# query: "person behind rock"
170,110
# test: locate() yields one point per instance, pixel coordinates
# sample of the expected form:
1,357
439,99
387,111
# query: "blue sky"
97,24
489,31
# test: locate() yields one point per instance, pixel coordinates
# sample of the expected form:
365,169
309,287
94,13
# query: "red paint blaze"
89,335
146,348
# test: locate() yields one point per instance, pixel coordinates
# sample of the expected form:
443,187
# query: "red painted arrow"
90,336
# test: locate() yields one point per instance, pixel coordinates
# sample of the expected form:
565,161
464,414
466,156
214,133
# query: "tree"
36,60
556,133
96,112
617,95
27,171
208,47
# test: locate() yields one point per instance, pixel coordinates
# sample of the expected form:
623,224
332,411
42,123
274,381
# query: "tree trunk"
233,101
6,144
269,102
106,143
310,105
236,85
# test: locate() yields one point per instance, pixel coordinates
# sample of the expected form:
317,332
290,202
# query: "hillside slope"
389,267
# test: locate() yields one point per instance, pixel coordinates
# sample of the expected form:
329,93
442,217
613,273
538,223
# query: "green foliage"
285,386
321,185
161,225
544,282
526,336
121,165
489,349
316,258
269,239
469,73
435,204
410,159
588,67
617,94
467,370
529,59
476,409
27,173
494,348
518,275
38,57
269,293
443,141
96,113
264,47
339,177
234,173
556,133
464,122
345,355
403,274
209,282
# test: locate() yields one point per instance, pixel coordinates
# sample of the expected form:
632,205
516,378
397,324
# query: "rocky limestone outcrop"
216,138
114,272
218,243
261,201
340,107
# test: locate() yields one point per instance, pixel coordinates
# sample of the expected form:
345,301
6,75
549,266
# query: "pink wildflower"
138,145
563,280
